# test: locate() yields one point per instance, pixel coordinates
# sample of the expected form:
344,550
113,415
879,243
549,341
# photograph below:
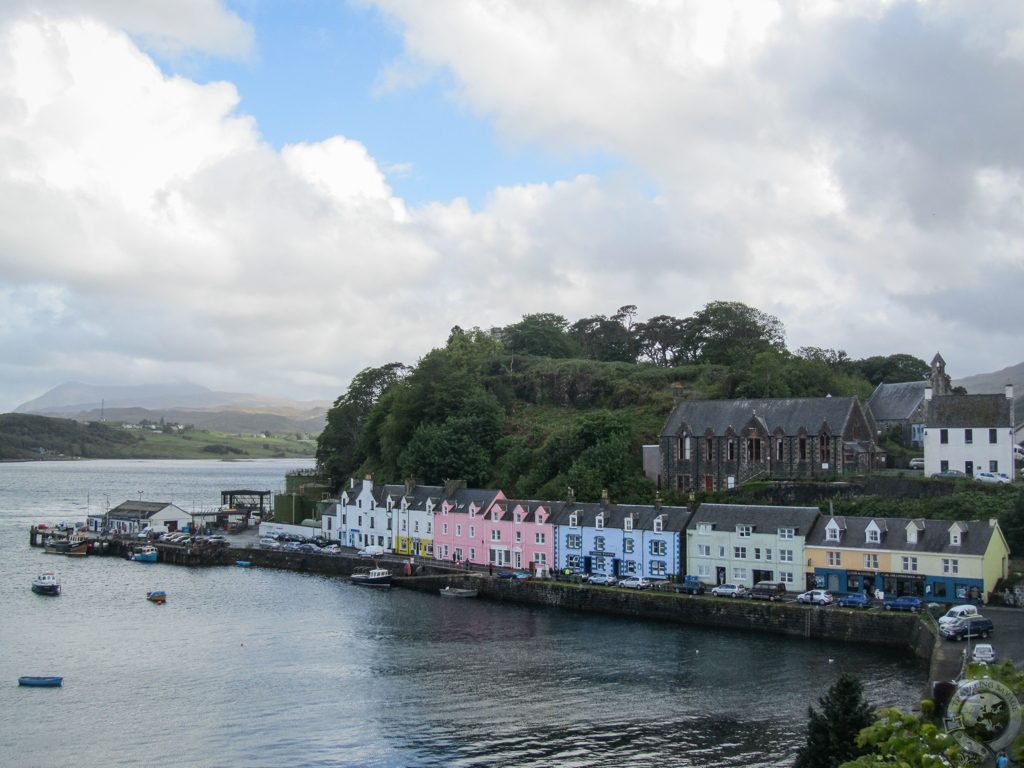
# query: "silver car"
729,590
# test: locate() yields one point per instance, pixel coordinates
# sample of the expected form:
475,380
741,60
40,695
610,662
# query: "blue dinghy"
41,682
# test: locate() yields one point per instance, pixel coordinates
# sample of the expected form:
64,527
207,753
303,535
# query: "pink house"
459,525
518,534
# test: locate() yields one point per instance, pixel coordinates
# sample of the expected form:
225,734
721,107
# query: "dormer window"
873,535
574,520
627,524
954,538
599,522
831,534
659,524
744,531
519,517
703,529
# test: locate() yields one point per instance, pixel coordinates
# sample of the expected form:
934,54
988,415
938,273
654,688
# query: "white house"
969,433
130,517
361,517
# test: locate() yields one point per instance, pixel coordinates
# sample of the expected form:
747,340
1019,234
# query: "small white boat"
46,583
374,577
145,555
457,592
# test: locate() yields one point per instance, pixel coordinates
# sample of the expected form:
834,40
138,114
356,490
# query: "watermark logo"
983,716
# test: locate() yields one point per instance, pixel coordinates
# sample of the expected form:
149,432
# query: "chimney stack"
677,393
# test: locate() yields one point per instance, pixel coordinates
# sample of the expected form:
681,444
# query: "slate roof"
137,510
463,497
896,402
788,413
958,411
764,518
530,508
932,536
615,514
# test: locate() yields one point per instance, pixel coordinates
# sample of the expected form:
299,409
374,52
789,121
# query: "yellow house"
937,560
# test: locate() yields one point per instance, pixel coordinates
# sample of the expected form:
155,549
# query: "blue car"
855,600
517,575
905,603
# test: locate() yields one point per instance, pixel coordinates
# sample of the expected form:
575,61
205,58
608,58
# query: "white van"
371,551
956,613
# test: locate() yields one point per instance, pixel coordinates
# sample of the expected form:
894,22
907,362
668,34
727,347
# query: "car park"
819,596
905,603
991,477
729,590
855,600
984,652
603,579
768,590
949,474
916,463
973,626
635,582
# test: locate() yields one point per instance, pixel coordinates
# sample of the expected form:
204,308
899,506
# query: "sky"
268,196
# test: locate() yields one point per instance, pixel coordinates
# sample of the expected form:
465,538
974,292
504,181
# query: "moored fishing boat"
157,596
374,577
458,592
145,555
46,583
45,681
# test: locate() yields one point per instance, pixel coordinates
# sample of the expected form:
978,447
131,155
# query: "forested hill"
542,405
25,436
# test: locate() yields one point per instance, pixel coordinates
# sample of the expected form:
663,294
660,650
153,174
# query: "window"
659,524
599,522
968,437
703,550
539,538
943,466
835,558
659,548
372,525
574,520
731,447
472,554
495,534
458,530
444,528
627,524
599,542
944,436
778,449
785,555
519,517
786,533
909,563
704,571
573,541
627,546
721,550
993,436
954,538
573,561
657,567
744,531
757,553
740,553
950,566
803,448
709,449
824,449
767,553
540,558
753,449
873,535
739,574
786,577
703,529
686,448
831,534
519,537
993,466
472,531
403,524
871,561
629,566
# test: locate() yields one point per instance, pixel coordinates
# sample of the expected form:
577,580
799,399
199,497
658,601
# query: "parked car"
768,590
819,596
331,549
603,579
990,477
949,474
690,585
635,582
984,652
905,603
269,544
917,462
956,613
855,600
729,590
973,626
371,551
518,575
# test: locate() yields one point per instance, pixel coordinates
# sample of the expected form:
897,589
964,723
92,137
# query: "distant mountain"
995,383
184,403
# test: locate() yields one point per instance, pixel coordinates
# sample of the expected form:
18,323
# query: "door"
709,482
969,468
720,575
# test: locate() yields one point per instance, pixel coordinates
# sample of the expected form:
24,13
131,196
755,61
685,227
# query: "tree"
892,369
832,733
543,334
903,740
602,338
662,340
731,333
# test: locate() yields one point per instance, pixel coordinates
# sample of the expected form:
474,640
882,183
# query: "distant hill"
184,403
993,383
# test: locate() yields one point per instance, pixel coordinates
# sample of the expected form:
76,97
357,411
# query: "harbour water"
249,667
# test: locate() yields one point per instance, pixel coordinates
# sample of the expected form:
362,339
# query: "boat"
70,547
243,563
157,596
46,583
457,592
49,681
374,577
145,555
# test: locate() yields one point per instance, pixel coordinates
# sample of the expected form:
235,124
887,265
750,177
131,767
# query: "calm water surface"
245,667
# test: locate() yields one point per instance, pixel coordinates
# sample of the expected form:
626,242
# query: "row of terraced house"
941,560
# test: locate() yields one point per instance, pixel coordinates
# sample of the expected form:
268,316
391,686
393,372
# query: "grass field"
198,444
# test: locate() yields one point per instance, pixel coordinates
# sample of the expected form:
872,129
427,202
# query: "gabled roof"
959,411
932,536
764,518
643,515
138,510
788,414
463,497
896,402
